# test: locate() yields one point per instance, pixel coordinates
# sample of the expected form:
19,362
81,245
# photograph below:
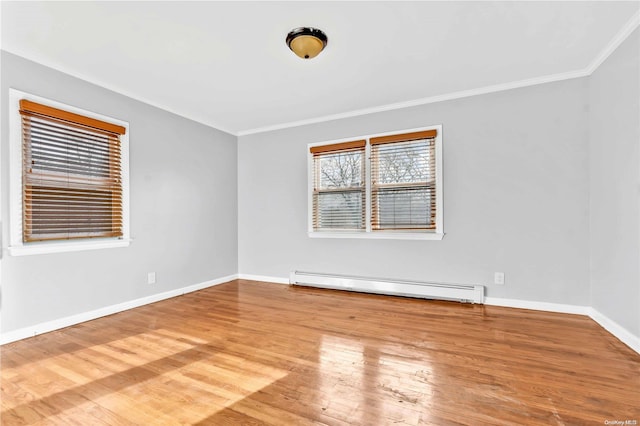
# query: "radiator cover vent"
425,290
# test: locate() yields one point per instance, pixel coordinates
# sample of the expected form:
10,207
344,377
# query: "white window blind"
71,175
338,186
403,182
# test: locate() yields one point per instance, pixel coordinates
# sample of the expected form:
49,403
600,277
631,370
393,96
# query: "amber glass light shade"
306,42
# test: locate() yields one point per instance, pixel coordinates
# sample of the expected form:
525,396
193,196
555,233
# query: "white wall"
515,197
614,97
183,209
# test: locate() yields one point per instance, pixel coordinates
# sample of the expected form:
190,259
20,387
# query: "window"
381,186
338,186
71,179
403,183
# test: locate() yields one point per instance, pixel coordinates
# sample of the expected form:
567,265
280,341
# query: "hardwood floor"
251,353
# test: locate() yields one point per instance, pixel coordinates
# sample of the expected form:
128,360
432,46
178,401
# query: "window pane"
339,210
62,149
403,162
62,212
404,208
340,170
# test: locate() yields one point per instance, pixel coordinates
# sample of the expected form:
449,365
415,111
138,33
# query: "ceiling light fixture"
306,42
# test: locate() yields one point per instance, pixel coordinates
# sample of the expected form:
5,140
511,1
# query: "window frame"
368,233
17,247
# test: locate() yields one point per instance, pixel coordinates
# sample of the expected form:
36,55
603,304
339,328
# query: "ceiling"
226,64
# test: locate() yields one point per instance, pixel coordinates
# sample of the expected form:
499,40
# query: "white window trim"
16,246
438,234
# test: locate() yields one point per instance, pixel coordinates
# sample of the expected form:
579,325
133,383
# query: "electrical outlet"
151,278
498,278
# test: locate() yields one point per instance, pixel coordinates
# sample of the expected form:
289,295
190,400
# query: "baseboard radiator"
425,290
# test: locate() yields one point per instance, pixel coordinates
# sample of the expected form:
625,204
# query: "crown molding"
617,40
422,101
104,85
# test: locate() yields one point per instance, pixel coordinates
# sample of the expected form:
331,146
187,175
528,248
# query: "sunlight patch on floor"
391,386
159,376
195,391
81,367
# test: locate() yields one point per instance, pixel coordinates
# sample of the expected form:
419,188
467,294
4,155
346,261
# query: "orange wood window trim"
33,107
337,147
427,134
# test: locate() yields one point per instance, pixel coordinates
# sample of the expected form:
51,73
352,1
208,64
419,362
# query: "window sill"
61,247
380,235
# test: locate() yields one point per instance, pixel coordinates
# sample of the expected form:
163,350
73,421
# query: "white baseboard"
265,278
537,306
621,333
608,324
624,335
45,327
